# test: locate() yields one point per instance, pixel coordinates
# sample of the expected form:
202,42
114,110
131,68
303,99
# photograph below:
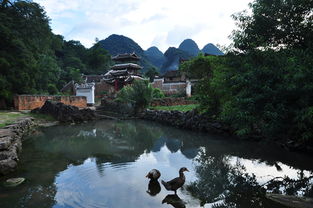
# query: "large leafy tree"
25,37
33,59
275,24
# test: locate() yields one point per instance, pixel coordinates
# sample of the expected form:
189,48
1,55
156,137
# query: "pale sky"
161,23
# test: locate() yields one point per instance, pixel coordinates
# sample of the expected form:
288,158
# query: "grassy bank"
182,108
9,117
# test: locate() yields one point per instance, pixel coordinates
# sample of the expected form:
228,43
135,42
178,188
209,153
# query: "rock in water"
12,182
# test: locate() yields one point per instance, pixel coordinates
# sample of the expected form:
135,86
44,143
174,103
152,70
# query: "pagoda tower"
125,70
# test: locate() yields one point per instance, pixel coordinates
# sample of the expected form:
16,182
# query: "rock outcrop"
11,144
66,113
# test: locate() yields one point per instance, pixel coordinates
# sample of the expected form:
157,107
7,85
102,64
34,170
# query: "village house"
174,82
123,72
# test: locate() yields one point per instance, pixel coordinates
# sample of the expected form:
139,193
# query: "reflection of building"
124,71
87,90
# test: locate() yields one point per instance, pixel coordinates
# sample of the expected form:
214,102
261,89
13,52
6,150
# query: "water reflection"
103,164
153,187
222,182
174,200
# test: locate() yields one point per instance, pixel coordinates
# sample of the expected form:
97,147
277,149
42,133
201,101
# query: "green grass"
8,117
43,117
182,108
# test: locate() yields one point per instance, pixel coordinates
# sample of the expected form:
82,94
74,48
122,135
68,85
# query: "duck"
153,174
176,183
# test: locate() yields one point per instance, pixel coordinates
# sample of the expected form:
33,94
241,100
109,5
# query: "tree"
98,60
275,24
198,67
140,93
151,73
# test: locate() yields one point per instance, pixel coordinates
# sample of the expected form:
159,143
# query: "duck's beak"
147,175
187,170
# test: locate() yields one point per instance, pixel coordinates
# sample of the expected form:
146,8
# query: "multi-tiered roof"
124,71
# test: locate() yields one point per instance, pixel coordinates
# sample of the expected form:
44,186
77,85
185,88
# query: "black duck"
176,183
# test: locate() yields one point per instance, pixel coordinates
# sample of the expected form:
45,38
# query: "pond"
104,164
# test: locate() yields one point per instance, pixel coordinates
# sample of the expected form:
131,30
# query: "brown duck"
176,183
153,174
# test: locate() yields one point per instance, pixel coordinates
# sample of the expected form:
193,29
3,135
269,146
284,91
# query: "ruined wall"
170,88
30,102
102,88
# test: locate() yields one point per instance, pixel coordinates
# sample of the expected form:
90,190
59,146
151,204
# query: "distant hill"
155,56
172,58
117,44
212,49
190,47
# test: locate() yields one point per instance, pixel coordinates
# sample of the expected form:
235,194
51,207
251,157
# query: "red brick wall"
102,87
29,102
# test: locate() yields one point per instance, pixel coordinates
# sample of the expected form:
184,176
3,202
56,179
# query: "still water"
103,164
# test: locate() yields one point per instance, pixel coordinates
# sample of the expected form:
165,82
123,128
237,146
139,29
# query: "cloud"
156,17
161,23
180,33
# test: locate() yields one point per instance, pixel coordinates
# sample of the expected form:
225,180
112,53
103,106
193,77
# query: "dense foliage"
139,94
265,87
33,59
151,73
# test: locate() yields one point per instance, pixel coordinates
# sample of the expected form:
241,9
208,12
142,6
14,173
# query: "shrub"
157,93
139,94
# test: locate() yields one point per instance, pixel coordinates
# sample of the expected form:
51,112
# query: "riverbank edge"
11,137
194,121
190,120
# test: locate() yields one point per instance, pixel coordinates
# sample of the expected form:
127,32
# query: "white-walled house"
87,90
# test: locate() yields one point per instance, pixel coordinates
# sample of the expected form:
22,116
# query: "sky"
161,23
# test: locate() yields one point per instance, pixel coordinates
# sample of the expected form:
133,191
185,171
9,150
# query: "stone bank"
187,120
11,144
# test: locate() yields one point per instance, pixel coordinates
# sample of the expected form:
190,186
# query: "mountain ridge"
153,57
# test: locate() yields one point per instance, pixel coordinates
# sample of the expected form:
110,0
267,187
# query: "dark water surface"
103,164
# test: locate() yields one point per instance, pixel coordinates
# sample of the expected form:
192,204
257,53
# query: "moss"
182,108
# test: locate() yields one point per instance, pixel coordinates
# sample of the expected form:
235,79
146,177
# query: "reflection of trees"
285,185
47,154
107,141
219,180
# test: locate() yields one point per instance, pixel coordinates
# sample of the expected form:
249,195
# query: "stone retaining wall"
11,144
187,120
30,102
171,101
